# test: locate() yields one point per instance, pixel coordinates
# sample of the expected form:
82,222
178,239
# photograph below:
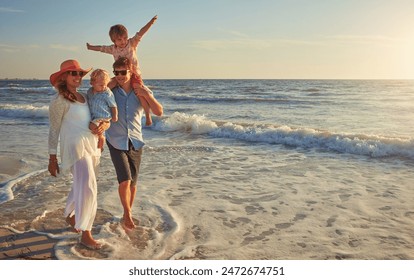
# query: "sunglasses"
120,72
77,73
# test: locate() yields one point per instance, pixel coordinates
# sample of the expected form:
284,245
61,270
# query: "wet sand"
26,246
9,167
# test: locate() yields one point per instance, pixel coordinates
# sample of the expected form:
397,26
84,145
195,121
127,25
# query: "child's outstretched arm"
93,48
144,29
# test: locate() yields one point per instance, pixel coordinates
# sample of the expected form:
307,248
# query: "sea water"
235,169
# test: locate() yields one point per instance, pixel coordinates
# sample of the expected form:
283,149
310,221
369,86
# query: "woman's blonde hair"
62,88
100,74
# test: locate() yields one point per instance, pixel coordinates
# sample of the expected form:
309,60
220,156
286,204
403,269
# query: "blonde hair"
117,31
62,88
100,74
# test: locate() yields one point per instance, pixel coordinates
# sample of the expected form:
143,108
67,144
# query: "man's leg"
127,197
134,158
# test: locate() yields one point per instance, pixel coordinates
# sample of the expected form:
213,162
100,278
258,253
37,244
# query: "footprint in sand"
331,221
283,225
299,217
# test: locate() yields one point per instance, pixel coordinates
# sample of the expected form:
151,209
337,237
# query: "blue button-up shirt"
128,127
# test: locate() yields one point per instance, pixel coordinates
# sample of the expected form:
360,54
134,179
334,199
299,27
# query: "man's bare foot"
128,222
71,222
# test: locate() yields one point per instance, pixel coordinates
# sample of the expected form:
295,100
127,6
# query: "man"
124,137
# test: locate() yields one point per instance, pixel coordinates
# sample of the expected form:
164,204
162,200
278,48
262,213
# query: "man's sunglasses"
77,73
120,72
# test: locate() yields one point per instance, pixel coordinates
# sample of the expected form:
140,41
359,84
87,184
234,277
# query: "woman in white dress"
69,120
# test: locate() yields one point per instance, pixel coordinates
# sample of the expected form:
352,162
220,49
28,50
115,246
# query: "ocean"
235,169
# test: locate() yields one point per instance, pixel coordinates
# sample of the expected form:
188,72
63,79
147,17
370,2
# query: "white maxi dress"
79,153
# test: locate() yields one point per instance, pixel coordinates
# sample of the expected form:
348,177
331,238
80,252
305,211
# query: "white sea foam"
359,144
6,192
23,111
20,88
194,124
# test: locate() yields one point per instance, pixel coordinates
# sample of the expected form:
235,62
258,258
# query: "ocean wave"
20,88
24,111
220,99
359,144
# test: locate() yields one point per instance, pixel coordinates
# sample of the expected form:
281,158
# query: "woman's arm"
57,109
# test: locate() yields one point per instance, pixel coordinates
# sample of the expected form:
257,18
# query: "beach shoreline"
9,167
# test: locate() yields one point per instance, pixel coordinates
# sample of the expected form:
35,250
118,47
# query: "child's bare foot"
148,119
101,141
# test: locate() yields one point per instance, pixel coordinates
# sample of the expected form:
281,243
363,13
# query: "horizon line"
356,79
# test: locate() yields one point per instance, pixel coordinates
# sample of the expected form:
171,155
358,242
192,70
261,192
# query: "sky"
215,39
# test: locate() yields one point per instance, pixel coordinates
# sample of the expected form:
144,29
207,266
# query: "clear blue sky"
356,39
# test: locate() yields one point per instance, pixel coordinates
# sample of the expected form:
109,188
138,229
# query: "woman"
69,120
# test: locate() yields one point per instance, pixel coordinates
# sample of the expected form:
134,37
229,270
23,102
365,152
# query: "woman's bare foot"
71,222
89,242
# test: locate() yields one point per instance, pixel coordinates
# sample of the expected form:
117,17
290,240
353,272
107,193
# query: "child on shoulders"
127,47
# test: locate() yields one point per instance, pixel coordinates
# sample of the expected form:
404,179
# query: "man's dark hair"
122,62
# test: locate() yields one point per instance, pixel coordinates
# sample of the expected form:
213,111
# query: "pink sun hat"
68,65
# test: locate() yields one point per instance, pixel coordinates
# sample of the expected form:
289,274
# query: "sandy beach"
26,246
51,236
315,176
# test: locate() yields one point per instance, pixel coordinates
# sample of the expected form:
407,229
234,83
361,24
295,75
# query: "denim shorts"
126,163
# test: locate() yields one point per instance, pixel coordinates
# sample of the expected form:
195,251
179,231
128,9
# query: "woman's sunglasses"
77,73
120,72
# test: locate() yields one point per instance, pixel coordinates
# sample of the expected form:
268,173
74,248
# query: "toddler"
127,47
101,101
